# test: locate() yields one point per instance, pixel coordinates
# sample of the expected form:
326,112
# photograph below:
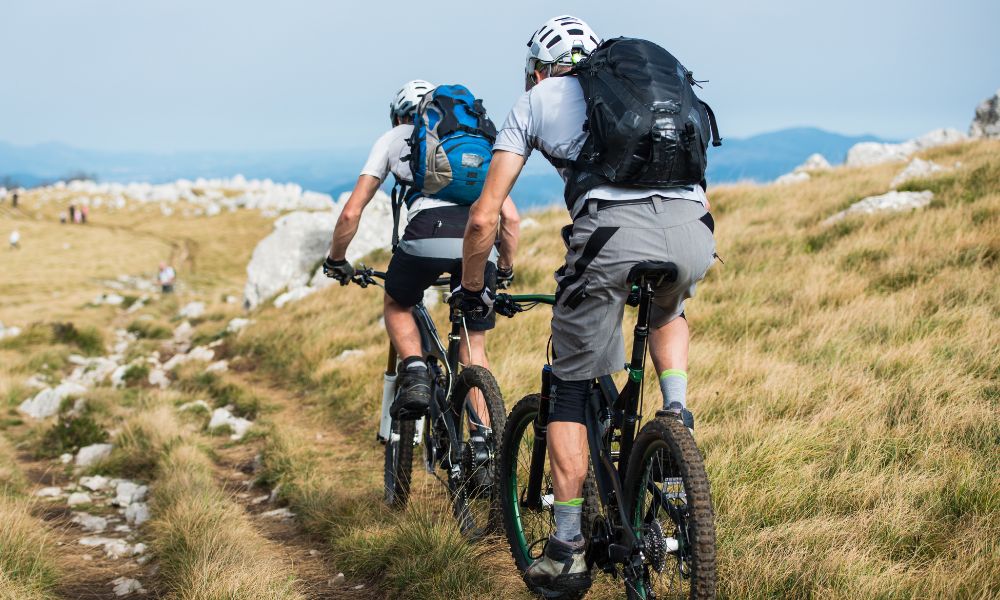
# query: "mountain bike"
647,510
460,431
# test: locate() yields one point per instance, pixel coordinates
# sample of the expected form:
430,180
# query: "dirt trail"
87,571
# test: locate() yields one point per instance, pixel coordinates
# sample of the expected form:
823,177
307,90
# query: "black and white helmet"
405,102
560,41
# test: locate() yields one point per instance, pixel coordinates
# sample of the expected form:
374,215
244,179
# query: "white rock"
873,153
118,376
158,378
92,371
66,458
195,404
124,586
192,310
891,202
183,333
986,123
286,257
36,381
127,492
46,403
222,417
137,513
349,354
278,513
91,454
91,523
94,483
293,295
197,353
111,299
815,162
113,547
11,331
792,178
78,498
237,324
939,137
219,366
916,169
49,492
529,223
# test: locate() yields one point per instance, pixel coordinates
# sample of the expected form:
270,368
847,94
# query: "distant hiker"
84,213
437,182
72,213
166,277
15,240
13,200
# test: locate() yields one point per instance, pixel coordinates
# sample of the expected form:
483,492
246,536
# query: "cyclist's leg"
406,279
689,244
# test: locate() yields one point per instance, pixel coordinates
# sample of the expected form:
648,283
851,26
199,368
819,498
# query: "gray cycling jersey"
550,118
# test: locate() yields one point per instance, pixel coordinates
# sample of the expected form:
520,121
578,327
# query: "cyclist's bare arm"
484,216
350,216
510,231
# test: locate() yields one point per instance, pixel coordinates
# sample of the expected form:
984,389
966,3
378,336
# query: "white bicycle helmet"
407,98
560,41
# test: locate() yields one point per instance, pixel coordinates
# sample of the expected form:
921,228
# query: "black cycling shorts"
409,276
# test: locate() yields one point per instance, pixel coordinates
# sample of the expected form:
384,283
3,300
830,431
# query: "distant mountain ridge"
760,158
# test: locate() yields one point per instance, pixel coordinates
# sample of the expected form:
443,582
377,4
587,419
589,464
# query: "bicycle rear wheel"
528,525
473,486
667,494
399,463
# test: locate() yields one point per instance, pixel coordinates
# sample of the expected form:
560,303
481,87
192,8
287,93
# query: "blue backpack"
451,145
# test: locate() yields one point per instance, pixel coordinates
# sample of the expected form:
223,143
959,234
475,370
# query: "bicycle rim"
671,512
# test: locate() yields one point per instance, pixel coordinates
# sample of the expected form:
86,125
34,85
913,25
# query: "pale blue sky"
242,74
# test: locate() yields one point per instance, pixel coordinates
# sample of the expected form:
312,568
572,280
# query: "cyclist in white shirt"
431,245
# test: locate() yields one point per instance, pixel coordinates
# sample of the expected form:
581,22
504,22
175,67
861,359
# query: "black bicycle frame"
608,412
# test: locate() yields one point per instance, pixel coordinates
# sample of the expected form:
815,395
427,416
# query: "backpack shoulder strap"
397,198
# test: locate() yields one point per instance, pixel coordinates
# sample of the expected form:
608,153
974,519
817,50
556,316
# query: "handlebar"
509,305
365,276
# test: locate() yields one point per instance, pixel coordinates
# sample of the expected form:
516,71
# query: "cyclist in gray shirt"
614,227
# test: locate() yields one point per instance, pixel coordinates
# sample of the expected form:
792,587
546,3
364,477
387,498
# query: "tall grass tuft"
205,545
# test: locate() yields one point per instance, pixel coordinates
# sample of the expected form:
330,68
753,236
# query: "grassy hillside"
845,378
846,381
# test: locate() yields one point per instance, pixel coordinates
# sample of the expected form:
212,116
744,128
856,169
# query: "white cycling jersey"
387,157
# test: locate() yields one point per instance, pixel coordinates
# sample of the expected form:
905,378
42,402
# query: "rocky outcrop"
986,123
874,153
917,169
891,202
287,258
815,162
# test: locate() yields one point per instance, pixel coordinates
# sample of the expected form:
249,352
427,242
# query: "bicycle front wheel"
668,498
528,522
399,463
479,422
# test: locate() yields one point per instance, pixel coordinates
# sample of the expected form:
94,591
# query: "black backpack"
648,129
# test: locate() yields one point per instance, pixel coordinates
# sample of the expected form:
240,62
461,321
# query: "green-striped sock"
567,516
674,385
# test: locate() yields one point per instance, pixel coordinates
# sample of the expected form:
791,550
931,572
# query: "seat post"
641,331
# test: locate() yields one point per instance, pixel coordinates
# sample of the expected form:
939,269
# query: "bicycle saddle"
653,271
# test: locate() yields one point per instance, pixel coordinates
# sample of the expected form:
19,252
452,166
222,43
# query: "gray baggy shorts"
602,245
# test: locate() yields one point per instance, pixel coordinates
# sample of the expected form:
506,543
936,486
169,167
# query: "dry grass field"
845,378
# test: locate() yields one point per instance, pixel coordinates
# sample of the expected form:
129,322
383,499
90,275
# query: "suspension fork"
533,494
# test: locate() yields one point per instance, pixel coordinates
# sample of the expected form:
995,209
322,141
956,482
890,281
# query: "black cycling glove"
341,270
477,303
505,277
